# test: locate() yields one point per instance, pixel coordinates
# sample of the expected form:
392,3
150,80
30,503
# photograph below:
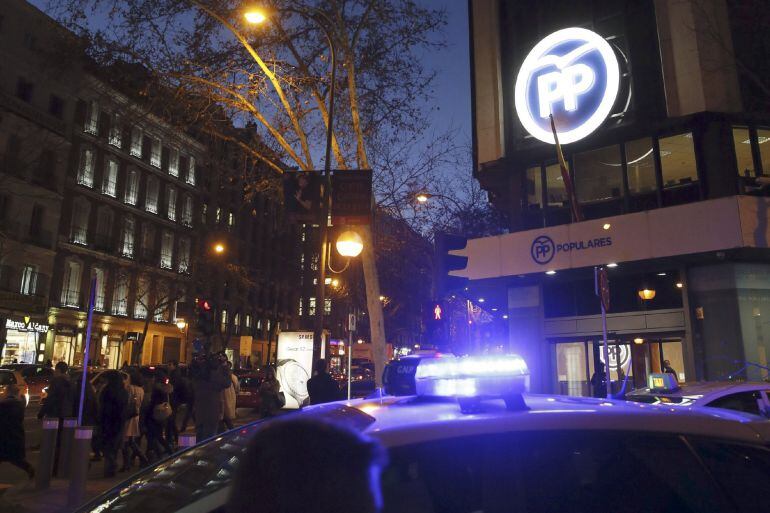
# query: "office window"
91,125
171,203
231,219
183,256
299,310
743,157
763,138
311,306
218,216
237,323
167,250
151,195
191,170
155,149
86,167
120,294
116,134
24,89
29,280
56,106
132,187
142,297
128,237
327,306
677,160
247,321
110,178
101,288
81,211
598,174
173,162
70,288
187,210
556,193
136,142
640,166
534,190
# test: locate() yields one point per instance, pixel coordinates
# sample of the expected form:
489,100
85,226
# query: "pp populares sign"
572,74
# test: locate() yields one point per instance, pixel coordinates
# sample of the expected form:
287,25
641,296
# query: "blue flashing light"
472,376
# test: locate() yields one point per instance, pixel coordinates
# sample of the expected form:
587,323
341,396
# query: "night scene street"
384,256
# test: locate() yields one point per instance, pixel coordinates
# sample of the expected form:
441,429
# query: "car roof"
705,389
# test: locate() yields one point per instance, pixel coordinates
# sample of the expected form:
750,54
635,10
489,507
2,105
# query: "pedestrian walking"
321,387
271,398
90,413
229,397
113,403
156,416
210,377
325,457
12,442
178,393
131,430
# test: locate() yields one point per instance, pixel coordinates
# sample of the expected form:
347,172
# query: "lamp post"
183,327
256,16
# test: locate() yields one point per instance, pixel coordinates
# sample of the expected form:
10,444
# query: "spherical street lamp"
646,294
350,244
422,197
219,248
181,324
255,16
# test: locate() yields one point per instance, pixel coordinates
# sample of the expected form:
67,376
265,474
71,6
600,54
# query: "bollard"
81,449
47,449
186,441
65,450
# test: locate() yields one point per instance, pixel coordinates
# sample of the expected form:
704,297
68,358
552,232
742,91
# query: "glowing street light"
350,244
646,294
422,197
219,248
255,16
181,324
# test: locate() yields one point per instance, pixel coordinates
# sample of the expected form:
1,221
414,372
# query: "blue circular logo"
572,74
543,249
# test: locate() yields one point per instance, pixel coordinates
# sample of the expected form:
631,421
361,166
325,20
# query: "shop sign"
26,326
65,330
572,74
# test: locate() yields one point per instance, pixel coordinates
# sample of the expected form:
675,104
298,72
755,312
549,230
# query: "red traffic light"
205,305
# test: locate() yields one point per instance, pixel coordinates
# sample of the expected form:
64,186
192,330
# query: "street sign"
351,322
302,195
603,287
352,197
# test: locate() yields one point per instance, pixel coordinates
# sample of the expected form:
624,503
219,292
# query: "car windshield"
203,470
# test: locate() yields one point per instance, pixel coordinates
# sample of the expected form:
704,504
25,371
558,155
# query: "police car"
471,439
746,397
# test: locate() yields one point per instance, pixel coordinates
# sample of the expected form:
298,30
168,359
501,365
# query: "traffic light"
205,316
435,320
445,284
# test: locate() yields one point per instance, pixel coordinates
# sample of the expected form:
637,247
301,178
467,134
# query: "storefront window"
598,174
742,143
557,195
534,188
640,166
20,347
763,138
677,160
571,369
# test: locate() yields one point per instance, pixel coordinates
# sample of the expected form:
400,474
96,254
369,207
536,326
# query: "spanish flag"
577,215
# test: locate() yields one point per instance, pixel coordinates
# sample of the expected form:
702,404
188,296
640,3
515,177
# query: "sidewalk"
24,498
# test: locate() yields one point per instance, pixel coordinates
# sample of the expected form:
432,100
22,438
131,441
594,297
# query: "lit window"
167,250
231,219
598,174
29,280
70,288
640,166
91,125
327,306
311,306
101,288
677,161
151,196
187,210
81,212
116,136
127,239
173,162
556,194
743,156
191,171
534,188
183,255
136,142
86,167
218,216
110,178
299,310
155,149
763,138
142,297
120,295
132,187
171,203
224,321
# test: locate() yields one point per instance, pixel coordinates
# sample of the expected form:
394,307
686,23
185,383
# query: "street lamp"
350,244
646,294
219,248
181,324
255,15
422,197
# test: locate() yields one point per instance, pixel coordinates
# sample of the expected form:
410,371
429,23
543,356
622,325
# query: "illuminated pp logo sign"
572,74
543,249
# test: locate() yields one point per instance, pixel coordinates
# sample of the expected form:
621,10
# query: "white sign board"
572,74
295,366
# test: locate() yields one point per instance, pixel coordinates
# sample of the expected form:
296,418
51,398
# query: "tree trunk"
374,305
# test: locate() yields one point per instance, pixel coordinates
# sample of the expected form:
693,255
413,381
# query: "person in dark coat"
599,381
322,387
58,403
157,444
12,429
210,377
113,405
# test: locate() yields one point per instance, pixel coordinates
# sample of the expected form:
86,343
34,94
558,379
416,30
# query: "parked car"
10,377
248,397
37,377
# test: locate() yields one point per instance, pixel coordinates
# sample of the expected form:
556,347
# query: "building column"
525,333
